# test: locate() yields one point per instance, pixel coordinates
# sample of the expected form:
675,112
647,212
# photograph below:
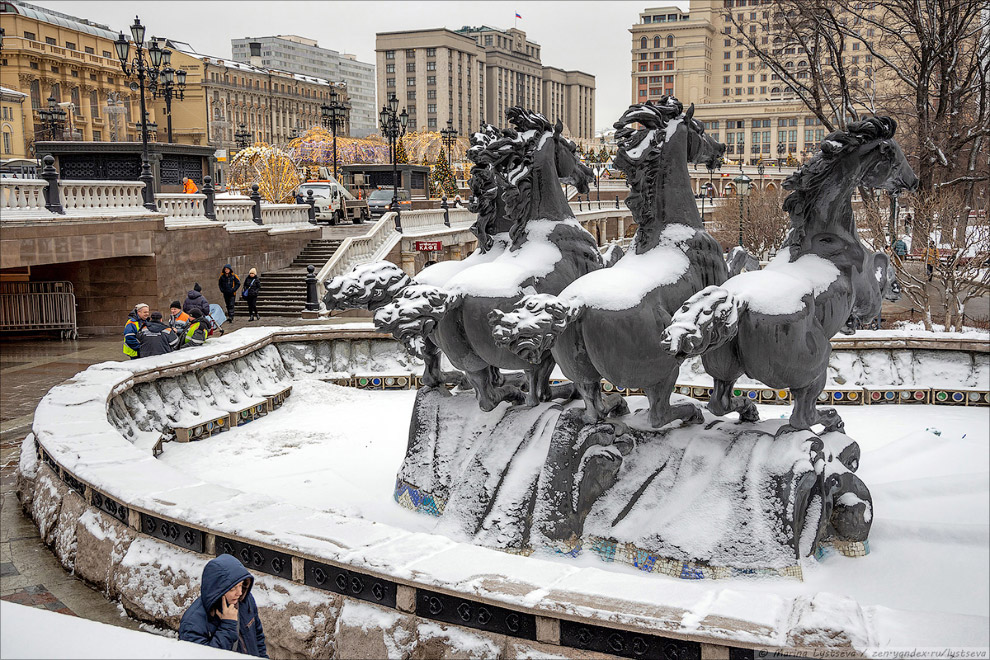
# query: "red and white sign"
429,246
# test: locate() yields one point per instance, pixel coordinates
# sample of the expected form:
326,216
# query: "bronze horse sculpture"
609,322
775,324
374,286
548,250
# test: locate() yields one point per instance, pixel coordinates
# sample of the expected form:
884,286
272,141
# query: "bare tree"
764,223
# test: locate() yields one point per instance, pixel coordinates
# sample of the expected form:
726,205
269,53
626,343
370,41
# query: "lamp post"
759,170
742,190
144,69
393,127
780,155
448,136
333,116
173,86
242,137
53,118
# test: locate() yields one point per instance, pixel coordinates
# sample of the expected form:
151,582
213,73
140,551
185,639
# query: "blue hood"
219,576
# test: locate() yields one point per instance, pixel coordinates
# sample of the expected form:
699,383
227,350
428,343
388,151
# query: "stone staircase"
283,292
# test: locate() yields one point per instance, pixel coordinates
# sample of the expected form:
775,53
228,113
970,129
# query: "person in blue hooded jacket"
225,615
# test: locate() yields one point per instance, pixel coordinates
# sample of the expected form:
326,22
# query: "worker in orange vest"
188,186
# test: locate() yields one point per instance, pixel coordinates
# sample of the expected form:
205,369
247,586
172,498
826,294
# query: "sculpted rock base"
701,501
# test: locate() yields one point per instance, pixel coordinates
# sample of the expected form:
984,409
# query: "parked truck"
334,203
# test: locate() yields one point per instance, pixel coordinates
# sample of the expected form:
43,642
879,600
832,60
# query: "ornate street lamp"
448,136
145,69
173,85
242,137
53,118
333,115
780,155
393,127
759,170
742,191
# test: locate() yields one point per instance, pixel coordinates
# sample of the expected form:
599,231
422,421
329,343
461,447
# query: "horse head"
702,148
486,188
570,169
864,155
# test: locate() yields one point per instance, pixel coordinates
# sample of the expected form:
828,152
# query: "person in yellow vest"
197,331
931,259
136,322
189,186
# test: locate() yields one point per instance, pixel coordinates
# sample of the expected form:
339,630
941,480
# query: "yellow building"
221,94
47,53
12,145
691,54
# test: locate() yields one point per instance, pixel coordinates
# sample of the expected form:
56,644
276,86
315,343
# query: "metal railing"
26,306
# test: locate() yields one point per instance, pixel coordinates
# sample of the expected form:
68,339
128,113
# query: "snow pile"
627,282
30,632
780,288
505,276
440,273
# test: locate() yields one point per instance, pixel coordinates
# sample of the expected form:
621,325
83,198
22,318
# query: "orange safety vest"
189,187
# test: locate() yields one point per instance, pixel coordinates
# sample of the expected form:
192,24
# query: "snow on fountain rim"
779,288
626,283
441,272
71,423
504,276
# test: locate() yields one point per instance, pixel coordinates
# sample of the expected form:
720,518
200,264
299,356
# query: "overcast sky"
587,36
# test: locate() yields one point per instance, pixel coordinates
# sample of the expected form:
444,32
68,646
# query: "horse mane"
808,179
641,173
484,186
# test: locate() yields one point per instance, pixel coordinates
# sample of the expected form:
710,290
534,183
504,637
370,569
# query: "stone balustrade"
283,215
234,210
23,198
102,198
431,220
362,249
180,205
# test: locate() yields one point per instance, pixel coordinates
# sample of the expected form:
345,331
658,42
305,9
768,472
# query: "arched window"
670,41
775,90
656,41
802,74
8,141
802,63
789,65
642,42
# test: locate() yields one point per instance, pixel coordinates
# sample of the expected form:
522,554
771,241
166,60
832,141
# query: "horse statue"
608,323
741,261
876,282
373,286
548,250
775,324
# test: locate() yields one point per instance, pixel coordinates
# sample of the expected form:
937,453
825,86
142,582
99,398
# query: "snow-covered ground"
338,449
34,633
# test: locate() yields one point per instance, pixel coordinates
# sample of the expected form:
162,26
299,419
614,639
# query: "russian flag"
517,15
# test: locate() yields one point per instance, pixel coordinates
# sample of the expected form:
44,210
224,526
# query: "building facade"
487,72
221,95
304,56
12,144
46,53
692,55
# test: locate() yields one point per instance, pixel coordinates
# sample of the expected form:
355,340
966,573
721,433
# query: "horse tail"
413,315
704,322
366,286
531,329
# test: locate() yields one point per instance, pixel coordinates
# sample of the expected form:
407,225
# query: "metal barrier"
38,306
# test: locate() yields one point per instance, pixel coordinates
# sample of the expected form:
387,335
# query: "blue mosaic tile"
690,573
605,549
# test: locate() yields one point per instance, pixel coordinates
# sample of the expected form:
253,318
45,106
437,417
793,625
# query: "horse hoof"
749,415
697,417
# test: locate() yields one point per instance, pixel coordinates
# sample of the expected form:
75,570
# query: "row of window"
71,45
665,18
644,43
658,66
410,52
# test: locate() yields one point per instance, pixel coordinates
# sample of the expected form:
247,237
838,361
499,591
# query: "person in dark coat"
252,285
225,615
229,283
136,321
197,331
156,337
196,300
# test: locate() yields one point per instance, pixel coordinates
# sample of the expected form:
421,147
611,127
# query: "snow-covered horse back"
775,324
608,323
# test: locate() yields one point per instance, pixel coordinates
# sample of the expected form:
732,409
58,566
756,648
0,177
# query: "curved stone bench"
328,584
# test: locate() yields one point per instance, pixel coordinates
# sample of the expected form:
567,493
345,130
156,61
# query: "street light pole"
742,190
332,116
53,118
143,70
447,136
173,86
242,137
393,127
780,156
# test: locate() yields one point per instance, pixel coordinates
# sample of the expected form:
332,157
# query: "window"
653,80
89,50
643,43
389,68
642,56
654,91
726,80
656,55
431,123
728,42
7,145
107,53
642,67
738,79
431,66
656,42
642,93
431,80
30,36
389,54
670,41
726,55
488,40
390,82
410,82
97,136
655,66
410,52
410,67
668,65
70,45
725,92
411,95
726,67
431,52
431,107
431,93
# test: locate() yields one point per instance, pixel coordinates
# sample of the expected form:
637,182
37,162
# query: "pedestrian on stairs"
229,283
249,291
